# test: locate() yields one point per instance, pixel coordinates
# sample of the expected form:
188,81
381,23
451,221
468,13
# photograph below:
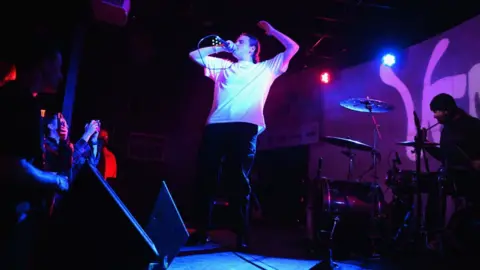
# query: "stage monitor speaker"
166,228
111,11
96,230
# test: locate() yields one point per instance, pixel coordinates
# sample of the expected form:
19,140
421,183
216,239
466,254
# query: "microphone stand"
327,262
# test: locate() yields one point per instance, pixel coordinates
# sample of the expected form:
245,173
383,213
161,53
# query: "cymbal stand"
414,219
418,218
375,187
376,136
425,156
349,153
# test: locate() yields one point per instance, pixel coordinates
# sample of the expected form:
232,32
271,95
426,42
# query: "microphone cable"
202,57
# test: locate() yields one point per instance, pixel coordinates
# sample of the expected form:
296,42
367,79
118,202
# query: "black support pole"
78,41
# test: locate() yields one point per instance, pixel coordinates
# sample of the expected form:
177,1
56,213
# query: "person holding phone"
60,155
24,186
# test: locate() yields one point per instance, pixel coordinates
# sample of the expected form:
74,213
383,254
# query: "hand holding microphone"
229,45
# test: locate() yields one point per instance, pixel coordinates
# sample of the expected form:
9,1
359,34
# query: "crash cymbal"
347,143
413,143
366,105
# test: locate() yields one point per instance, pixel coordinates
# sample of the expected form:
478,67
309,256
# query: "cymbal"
366,105
347,143
413,143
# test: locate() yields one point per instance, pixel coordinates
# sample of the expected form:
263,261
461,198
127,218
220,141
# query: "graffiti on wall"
455,85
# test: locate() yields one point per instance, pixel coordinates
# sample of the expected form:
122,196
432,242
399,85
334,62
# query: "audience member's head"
104,135
53,123
38,63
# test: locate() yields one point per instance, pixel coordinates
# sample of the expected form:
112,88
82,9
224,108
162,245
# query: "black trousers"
236,143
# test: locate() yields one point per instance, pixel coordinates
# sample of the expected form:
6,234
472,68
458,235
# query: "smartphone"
59,120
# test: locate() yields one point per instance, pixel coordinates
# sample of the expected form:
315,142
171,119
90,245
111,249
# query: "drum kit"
358,205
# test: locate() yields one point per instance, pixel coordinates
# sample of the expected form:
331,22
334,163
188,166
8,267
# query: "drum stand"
327,263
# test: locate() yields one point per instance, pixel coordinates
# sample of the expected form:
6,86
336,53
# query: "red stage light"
325,77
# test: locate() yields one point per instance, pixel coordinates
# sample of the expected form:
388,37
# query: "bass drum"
359,207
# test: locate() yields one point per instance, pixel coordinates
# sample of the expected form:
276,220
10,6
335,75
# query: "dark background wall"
131,79
135,92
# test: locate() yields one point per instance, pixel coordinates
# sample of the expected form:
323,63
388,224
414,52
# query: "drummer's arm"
476,132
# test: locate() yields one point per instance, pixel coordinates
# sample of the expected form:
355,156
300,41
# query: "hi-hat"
347,143
366,105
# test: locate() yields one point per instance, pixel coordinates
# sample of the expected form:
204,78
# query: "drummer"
460,137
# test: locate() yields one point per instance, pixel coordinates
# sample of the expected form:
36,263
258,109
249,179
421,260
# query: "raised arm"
197,55
28,175
291,47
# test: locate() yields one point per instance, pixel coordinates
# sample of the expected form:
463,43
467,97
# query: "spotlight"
325,77
388,60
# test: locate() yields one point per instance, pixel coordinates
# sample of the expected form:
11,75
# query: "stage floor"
276,253
276,249
242,261
283,249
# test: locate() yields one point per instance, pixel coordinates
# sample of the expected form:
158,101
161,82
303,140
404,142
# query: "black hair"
443,102
253,41
47,119
27,52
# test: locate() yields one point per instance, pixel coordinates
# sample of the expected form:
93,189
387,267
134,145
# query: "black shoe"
197,239
242,244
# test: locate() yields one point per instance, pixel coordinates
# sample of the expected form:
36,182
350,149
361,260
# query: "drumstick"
464,154
433,126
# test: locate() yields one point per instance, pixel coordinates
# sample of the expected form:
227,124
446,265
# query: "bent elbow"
295,48
193,55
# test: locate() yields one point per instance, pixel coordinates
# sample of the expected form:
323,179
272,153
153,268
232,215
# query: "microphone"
397,159
223,42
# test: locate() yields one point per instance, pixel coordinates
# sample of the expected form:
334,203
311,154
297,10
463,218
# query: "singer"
236,119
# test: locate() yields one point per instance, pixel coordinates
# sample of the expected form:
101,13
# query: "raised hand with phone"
91,128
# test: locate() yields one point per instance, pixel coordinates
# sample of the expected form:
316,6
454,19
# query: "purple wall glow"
448,63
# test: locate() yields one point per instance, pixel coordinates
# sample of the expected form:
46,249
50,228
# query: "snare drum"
403,182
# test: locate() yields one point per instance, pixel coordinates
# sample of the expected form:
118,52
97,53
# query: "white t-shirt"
241,89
